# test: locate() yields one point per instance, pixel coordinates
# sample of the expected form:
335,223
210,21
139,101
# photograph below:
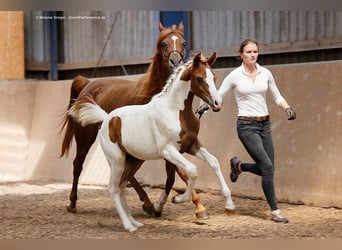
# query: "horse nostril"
172,61
217,105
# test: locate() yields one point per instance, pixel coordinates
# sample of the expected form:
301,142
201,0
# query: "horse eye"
163,44
184,43
199,79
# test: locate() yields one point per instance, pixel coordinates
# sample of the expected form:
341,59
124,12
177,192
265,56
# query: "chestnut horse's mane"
154,79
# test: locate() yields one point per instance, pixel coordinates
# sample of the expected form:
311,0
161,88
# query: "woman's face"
250,53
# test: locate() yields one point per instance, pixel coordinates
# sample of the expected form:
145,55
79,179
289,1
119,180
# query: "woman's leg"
257,140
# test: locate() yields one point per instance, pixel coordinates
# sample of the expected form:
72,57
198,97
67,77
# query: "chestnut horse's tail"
76,87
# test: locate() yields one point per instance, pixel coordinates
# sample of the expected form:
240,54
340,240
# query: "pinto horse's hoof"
151,211
202,215
229,211
179,199
71,209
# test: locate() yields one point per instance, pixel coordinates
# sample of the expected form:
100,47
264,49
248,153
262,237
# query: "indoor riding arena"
35,82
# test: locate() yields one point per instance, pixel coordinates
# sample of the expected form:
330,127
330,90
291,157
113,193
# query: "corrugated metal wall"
131,37
35,37
224,29
132,33
82,37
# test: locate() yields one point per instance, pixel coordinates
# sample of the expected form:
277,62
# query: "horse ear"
212,59
197,59
186,76
181,27
161,27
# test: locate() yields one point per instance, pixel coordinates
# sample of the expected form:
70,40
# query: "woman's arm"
280,100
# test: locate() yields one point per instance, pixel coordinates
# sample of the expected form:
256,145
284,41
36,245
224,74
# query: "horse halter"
166,56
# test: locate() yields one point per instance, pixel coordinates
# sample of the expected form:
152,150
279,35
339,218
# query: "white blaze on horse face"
217,99
174,39
174,56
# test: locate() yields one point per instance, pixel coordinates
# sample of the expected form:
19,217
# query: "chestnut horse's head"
171,45
203,80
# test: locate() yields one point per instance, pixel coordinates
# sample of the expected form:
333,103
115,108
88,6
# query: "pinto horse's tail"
76,87
86,111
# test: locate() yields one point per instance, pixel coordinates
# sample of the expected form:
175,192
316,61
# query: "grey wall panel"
132,36
82,38
224,29
35,37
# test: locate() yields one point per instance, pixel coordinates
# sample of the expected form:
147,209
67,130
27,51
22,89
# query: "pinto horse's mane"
149,84
173,78
176,74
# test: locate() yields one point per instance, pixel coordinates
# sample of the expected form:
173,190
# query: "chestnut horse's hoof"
158,214
71,209
229,211
151,211
202,215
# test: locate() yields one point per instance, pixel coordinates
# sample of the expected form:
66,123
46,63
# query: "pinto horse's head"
171,45
203,80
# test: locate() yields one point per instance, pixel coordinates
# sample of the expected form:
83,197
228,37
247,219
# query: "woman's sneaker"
234,174
277,216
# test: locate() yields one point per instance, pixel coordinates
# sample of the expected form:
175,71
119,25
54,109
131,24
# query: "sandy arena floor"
32,210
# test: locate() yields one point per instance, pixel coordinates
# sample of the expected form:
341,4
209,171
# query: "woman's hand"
291,114
203,108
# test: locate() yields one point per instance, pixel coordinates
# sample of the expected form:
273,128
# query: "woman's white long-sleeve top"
251,95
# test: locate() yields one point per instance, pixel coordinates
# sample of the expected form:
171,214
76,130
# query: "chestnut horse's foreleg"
132,165
171,154
171,169
170,180
147,205
85,137
201,211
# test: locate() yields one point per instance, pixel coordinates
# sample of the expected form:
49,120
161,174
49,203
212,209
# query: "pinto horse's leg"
171,154
203,154
116,186
126,207
117,192
84,137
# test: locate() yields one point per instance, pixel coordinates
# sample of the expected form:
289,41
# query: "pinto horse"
190,144
113,93
120,132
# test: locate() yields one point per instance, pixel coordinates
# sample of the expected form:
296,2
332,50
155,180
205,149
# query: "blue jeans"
256,137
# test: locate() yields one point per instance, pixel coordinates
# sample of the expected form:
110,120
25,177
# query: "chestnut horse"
113,93
120,132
